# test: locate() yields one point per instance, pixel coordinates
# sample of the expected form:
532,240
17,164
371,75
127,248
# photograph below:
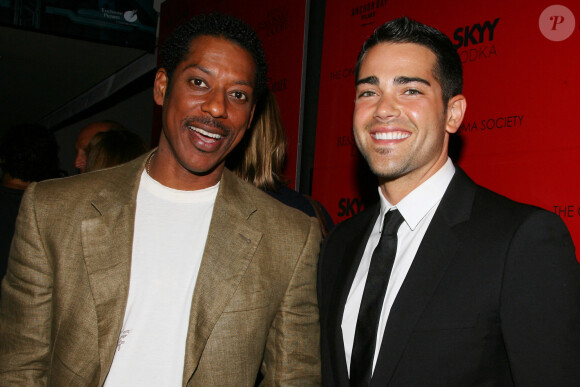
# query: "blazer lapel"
229,249
348,265
437,250
107,241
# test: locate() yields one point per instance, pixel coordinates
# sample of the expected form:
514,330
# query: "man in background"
168,270
27,153
457,286
85,136
114,147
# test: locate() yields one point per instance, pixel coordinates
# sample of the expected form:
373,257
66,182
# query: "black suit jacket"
492,297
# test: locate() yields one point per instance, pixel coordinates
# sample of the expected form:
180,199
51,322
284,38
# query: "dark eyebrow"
196,66
207,71
372,80
405,80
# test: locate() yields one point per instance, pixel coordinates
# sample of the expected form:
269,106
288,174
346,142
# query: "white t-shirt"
171,229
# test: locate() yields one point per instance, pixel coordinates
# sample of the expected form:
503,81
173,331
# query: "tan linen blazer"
64,296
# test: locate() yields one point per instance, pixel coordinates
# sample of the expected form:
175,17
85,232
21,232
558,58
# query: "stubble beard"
379,160
381,166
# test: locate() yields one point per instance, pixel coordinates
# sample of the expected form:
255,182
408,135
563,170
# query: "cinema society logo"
557,23
346,72
474,42
567,211
489,124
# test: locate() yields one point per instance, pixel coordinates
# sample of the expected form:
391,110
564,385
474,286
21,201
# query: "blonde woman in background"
261,158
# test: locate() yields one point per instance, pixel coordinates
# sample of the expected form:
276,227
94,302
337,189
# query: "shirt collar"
418,202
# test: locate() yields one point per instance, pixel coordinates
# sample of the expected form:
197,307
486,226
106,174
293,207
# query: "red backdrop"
521,67
521,61
280,26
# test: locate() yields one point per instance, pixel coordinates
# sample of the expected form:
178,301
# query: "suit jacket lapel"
229,249
107,241
437,250
348,265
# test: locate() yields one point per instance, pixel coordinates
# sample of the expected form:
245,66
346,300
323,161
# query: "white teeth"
390,135
204,133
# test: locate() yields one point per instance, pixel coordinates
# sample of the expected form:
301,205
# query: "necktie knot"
392,222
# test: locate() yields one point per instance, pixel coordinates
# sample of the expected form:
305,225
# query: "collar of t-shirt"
177,196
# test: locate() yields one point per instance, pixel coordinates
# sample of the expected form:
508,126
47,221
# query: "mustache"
396,122
206,121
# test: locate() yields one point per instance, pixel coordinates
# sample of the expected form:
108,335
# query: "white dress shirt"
417,209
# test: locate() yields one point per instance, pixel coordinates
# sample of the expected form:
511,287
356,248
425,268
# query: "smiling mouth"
390,135
205,135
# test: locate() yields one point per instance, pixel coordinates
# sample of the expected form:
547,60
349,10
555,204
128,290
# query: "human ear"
455,113
160,86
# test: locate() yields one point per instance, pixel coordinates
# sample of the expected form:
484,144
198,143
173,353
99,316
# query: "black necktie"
365,336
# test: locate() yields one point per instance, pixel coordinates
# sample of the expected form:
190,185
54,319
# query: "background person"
27,153
114,147
261,158
85,136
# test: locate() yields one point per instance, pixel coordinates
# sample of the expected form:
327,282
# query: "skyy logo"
557,23
476,35
350,206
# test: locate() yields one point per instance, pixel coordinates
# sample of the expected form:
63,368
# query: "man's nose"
387,107
215,105
81,161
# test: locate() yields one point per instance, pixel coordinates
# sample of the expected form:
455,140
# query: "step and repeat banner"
280,25
521,67
520,136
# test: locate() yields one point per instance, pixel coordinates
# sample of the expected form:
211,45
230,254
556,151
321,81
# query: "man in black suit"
483,291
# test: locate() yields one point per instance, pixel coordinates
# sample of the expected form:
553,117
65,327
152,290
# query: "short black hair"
216,24
448,69
29,152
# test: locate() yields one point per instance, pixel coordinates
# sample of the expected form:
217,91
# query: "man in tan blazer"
83,301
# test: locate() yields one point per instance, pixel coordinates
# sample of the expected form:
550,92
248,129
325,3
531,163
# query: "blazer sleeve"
540,304
25,307
292,355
